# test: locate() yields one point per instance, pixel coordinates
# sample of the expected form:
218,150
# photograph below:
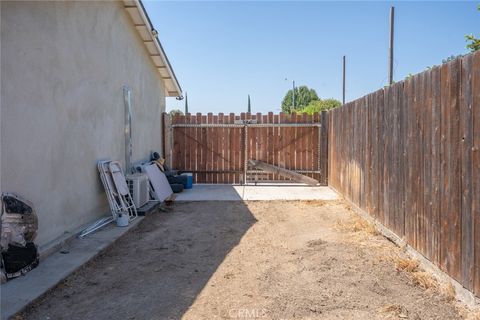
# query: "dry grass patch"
424,280
356,224
314,203
407,265
418,277
448,291
394,309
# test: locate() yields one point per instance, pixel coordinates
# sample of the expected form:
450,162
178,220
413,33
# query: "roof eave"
145,28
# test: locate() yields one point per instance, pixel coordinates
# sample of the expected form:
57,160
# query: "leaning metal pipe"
95,226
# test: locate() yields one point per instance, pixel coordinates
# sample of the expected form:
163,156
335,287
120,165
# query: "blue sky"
223,51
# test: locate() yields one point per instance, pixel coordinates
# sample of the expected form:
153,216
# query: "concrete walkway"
16,294
224,192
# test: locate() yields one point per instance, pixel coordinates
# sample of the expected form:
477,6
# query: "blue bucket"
189,183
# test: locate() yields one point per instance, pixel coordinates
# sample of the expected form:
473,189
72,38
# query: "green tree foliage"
303,97
320,105
176,111
451,58
473,42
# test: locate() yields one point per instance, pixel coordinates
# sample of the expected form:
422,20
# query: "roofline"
160,52
161,48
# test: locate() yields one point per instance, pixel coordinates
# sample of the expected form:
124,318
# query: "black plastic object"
177,187
14,205
20,259
177,180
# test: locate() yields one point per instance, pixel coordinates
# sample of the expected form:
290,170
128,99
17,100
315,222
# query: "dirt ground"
264,260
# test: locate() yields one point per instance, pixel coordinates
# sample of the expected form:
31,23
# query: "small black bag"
18,260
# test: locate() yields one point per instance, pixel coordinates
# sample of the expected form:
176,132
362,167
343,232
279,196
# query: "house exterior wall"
63,65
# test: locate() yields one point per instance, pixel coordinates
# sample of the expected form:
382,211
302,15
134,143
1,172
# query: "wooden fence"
409,156
218,153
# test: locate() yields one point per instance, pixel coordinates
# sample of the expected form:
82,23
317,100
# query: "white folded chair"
116,188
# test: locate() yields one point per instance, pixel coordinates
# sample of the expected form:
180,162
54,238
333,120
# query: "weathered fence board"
476,170
466,126
435,165
409,155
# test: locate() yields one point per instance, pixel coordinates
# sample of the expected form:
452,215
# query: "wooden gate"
216,148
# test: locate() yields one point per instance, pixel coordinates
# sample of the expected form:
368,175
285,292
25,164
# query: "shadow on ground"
155,271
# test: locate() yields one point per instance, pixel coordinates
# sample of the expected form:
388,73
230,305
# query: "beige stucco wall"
63,65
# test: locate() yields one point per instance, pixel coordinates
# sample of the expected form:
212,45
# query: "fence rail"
409,156
216,148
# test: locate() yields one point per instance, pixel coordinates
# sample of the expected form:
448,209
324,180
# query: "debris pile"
18,228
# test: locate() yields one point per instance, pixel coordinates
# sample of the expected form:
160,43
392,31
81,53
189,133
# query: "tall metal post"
343,90
127,99
390,54
245,153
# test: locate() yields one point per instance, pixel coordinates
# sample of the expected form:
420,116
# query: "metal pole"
245,154
127,99
390,55
344,64
293,96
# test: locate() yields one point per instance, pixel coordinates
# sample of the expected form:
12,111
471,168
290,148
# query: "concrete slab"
16,294
214,192
224,192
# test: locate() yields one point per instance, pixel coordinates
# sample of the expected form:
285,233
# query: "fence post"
324,148
167,139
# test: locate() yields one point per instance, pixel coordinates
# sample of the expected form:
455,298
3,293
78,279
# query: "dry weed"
356,224
424,279
407,265
421,278
448,291
396,309
314,203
